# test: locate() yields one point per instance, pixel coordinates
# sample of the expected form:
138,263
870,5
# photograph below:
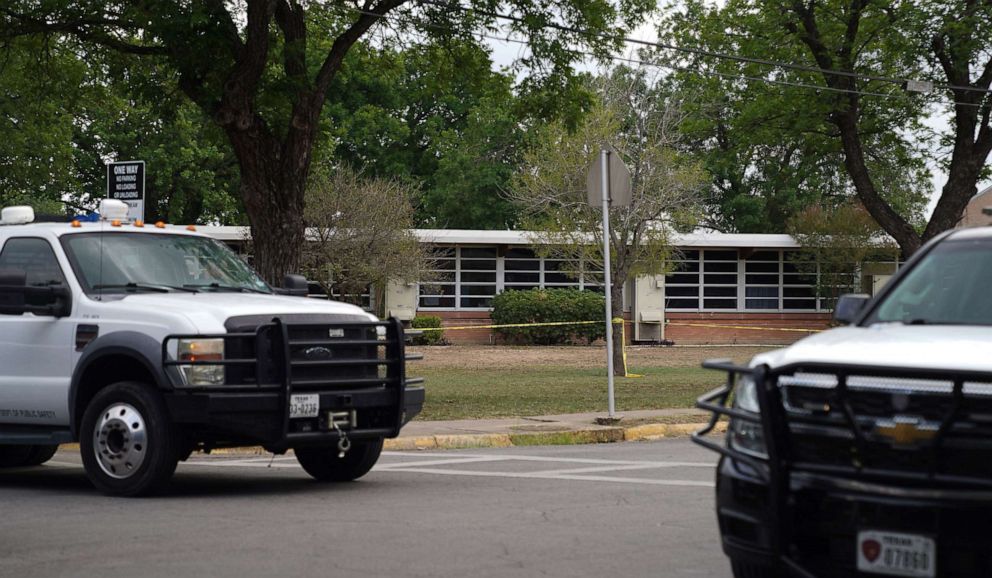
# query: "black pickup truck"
866,450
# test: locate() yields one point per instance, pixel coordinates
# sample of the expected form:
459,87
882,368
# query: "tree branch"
228,26
81,28
291,19
335,57
939,47
237,105
254,54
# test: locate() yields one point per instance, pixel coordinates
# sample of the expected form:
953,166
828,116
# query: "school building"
723,288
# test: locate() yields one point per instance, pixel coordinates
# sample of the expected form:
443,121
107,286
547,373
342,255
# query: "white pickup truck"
867,449
146,342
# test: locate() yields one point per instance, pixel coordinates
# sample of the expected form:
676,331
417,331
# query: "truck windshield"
949,286
132,262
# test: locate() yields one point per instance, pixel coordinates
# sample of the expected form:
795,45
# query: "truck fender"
137,346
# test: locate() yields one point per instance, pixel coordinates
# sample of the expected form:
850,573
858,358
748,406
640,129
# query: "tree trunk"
272,188
854,159
277,234
273,179
616,303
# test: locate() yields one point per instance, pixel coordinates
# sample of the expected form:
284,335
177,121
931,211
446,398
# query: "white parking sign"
126,182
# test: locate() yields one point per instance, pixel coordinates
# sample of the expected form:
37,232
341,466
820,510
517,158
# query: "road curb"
642,432
598,435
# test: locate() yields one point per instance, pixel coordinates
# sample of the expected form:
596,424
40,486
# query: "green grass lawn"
464,393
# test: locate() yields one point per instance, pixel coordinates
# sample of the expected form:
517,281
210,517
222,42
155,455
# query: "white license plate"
306,405
897,554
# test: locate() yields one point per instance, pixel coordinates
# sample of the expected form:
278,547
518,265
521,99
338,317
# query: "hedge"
428,337
549,305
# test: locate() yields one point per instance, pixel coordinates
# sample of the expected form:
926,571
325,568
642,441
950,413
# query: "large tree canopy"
776,139
36,149
65,111
436,114
250,67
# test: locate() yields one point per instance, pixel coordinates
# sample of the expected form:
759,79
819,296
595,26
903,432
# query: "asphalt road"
629,509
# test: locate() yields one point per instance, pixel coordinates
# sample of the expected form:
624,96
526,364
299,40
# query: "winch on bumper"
292,384
831,470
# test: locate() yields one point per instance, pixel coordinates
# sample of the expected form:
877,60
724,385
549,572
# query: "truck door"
35,350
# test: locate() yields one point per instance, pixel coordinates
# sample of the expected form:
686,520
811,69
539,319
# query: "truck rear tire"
41,454
14,456
324,464
24,456
127,441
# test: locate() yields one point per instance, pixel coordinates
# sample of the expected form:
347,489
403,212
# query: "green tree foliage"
138,113
852,111
438,115
359,229
39,85
250,67
66,112
773,149
836,242
643,123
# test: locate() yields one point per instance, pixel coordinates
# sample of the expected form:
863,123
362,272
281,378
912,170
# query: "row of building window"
701,280
762,281
469,277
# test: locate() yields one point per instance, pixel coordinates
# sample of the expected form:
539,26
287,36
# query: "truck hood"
950,347
208,311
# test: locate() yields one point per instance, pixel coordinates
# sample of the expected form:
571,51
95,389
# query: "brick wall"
463,319
692,334
681,335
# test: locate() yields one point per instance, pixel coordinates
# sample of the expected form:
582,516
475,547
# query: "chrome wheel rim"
120,441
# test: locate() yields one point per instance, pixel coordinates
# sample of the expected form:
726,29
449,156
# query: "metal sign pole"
605,159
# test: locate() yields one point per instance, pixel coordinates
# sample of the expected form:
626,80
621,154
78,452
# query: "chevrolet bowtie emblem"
905,431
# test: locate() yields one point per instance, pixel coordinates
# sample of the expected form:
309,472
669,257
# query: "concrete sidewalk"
542,430
575,428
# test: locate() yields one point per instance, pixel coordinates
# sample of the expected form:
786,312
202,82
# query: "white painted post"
605,159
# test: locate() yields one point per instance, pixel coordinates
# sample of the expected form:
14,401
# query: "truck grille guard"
269,358
922,435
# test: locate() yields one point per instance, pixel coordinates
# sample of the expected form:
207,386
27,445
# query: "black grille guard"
782,469
276,339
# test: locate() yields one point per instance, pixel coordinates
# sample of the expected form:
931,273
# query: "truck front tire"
128,443
325,465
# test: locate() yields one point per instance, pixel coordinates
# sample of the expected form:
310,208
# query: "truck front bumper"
354,370
238,418
823,516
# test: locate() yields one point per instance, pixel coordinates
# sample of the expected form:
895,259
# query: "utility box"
648,309
401,300
877,282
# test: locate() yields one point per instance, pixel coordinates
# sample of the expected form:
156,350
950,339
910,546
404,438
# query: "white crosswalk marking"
543,476
437,463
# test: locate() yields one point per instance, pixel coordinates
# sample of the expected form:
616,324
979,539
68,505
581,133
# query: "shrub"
428,337
549,306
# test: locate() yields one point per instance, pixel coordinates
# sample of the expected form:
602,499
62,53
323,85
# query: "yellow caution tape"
548,324
623,331
615,320
623,346
749,328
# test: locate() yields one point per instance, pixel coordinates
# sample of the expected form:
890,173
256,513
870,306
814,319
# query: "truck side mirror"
849,307
13,283
295,285
62,301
